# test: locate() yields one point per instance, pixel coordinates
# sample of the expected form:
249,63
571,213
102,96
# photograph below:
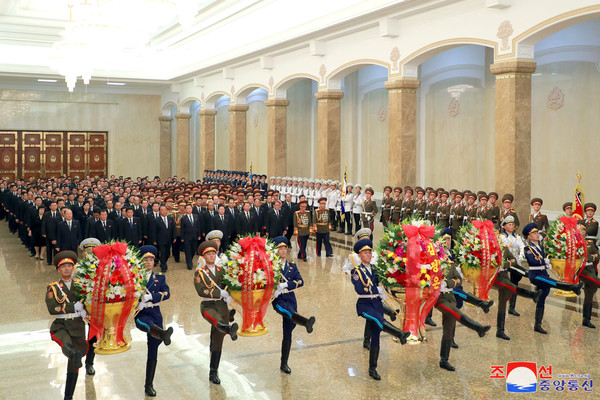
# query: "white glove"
548,265
141,305
147,297
276,293
281,286
227,299
79,307
82,313
225,294
381,293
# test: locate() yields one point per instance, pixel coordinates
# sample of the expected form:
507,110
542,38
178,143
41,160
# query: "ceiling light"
116,83
48,80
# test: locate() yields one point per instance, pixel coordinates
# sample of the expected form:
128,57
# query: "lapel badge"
355,277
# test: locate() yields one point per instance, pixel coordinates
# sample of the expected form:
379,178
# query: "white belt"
540,268
368,296
150,305
589,264
68,316
210,299
446,290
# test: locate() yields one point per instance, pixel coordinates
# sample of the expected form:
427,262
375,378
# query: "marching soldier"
369,303
149,319
443,211
285,303
507,210
321,228
207,280
369,210
68,329
590,274
386,205
457,213
397,205
302,228
540,219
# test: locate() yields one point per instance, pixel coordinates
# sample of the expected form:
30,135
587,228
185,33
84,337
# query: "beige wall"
374,139
349,128
256,137
131,121
222,138
299,117
565,140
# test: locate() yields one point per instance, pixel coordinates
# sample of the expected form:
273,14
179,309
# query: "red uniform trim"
590,279
57,340
209,318
514,290
452,312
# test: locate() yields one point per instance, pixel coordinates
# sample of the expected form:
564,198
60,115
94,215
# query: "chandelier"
98,31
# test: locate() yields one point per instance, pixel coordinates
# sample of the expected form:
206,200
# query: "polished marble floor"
327,364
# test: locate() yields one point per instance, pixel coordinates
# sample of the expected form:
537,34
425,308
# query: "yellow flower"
423,270
92,266
391,255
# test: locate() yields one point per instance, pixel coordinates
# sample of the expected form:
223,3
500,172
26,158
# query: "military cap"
407,188
363,244
362,233
453,191
444,193
207,246
419,189
322,199
64,257
370,190
459,194
471,194
590,206
89,243
429,188
567,205
530,227
440,189
169,199
483,196
508,220
148,251
508,197
446,233
349,185
387,187
304,201
281,241
358,185
214,234
537,200
182,202
493,194
398,189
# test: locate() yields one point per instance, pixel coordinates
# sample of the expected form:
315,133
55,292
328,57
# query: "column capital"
516,68
183,116
328,95
236,108
277,103
207,113
403,85
165,118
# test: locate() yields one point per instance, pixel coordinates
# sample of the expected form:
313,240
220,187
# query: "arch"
168,106
408,66
190,101
240,96
280,89
211,99
335,77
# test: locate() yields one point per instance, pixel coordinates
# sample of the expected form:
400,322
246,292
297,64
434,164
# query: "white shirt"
358,201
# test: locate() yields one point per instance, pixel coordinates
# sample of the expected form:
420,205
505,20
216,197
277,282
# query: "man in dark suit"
144,213
233,212
190,234
259,214
50,223
104,229
246,223
130,229
274,221
90,224
164,236
69,233
288,209
222,222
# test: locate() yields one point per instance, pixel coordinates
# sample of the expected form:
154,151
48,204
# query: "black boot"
72,354
303,321
387,310
539,316
587,316
231,314
500,327
89,361
230,330
428,320
373,357
511,306
485,305
392,330
453,344
444,354
213,375
367,336
476,326
70,385
576,288
476,301
162,334
532,294
150,370
285,355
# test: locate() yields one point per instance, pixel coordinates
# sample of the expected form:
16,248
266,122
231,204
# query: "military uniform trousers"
446,304
302,242
286,305
144,320
372,311
543,282
215,311
506,290
589,276
323,239
70,332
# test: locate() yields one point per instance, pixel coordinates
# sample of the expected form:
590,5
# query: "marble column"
183,145
513,131
328,133
164,142
276,136
402,131
237,137
207,139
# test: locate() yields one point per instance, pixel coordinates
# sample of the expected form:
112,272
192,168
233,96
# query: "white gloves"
225,293
227,299
79,307
147,297
381,293
548,265
82,313
141,305
282,286
276,293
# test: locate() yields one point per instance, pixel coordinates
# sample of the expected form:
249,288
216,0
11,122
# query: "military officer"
369,303
589,275
302,228
507,209
420,204
386,205
149,319
407,203
470,209
590,224
68,329
207,280
568,209
397,205
369,210
443,211
285,303
493,213
538,275
540,219
321,227
457,213
432,206
482,209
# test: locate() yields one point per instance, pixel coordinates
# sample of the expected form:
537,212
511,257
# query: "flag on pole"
344,183
250,170
579,199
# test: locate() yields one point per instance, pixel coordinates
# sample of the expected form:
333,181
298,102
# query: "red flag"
579,199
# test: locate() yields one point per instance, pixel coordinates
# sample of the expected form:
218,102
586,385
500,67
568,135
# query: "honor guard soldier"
407,204
86,246
457,213
538,275
386,205
540,219
321,228
397,205
507,210
482,209
568,209
302,228
443,211
470,209
215,299
149,319
432,206
589,275
285,303
369,210
420,204
369,303
68,329
493,209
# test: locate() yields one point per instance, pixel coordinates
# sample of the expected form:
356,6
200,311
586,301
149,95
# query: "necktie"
104,225
69,223
277,213
144,213
222,219
155,215
191,219
131,223
166,224
212,214
53,214
247,215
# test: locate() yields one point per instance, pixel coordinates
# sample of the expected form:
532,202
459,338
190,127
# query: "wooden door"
53,158
8,155
77,156
31,154
97,147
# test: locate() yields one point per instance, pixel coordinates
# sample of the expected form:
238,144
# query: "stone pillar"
402,132
513,131
207,139
277,137
237,137
328,133
183,145
164,142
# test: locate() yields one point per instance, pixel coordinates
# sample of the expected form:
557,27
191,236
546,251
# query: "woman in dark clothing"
39,242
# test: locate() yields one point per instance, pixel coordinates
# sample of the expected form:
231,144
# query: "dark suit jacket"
245,226
275,226
104,235
50,225
130,234
68,239
163,235
224,226
190,232
260,217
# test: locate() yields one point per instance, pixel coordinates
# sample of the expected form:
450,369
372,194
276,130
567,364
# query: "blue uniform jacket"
294,280
365,283
158,288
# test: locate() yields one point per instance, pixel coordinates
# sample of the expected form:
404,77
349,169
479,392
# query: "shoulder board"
159,273
593,220
542,214
53,283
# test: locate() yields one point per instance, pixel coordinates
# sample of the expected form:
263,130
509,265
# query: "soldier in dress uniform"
457,213
321,227
538,275
396,205
215,298
590,224
302,228
407,204
386,205
369,303
432,206
285,303
149,319
493,209
507,210
540,219
589,275
68,329
369,210
443,211
470,209
482,209
420,204
568,209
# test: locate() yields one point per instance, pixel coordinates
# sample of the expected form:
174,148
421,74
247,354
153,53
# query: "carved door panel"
77,159
31,154
97,147
8,155
53,158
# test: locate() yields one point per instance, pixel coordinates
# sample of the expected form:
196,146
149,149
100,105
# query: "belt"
446,290
150,305
368,296
540,268
68,316
589,264
209,299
